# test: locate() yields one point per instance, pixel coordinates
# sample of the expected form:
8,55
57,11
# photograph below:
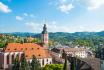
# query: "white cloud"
32,15
54,26
29,15
95,4
4,8
67,5
19,18
66,8
34,27
25,14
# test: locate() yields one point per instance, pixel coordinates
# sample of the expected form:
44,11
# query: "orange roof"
29,49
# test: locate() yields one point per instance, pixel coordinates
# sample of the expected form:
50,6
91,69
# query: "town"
26,54
51,34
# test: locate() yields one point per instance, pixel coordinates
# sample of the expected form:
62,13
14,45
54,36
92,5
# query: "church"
9,53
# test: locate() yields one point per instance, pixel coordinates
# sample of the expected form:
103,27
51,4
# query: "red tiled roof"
29,49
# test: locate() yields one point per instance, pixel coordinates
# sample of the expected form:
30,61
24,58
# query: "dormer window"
21,48
39,55
26,48
38,48
32,48
26,56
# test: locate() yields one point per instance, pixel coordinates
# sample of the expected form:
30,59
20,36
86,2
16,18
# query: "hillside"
90,39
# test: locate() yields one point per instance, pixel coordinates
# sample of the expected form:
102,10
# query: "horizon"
55,32
59,15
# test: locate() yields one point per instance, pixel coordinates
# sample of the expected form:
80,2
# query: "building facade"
74,52
9,53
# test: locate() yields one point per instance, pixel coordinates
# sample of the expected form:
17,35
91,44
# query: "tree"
35,65
66,63
53,67
23,64
16,63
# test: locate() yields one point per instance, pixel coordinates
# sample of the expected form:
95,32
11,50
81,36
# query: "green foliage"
35,65
88,39
24,65
65,64
36,40
16,63
53,67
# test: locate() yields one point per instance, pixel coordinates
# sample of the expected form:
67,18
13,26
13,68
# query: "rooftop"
29,49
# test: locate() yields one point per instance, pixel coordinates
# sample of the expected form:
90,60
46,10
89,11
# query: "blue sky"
59,15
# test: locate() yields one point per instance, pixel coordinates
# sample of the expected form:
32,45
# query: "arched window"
8,59
47,60
43,62
21,56
13,58
50,62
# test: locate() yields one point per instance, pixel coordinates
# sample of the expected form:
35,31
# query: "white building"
39,50
74,52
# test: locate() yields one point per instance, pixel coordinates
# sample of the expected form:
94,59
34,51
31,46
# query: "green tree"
16,63
65,64
23,64
53,67
35,65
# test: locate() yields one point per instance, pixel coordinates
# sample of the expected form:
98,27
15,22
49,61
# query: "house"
74,52
40,50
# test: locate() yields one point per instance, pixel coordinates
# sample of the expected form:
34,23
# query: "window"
26,55
12,58
8,59
21,56
32,48
15,49
21,48
8,49
50,62
47,60
39,55
43,62
38,48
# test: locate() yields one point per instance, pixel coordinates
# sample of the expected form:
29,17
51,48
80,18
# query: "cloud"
25,14
34,27
54,26
32,15
19,18
67,5
28,15
95,4
66,8
4,8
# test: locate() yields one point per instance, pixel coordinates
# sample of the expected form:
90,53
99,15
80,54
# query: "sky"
59,15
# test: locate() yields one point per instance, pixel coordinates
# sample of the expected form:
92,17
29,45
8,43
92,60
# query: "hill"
90,39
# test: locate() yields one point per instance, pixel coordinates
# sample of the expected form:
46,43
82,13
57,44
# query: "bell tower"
45,36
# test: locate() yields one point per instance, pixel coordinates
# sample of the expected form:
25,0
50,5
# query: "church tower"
45,36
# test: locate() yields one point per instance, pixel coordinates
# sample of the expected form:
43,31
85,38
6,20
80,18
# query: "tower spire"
44,29
45,36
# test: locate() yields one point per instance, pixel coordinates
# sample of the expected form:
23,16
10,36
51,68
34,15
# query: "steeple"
44,29
45,36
